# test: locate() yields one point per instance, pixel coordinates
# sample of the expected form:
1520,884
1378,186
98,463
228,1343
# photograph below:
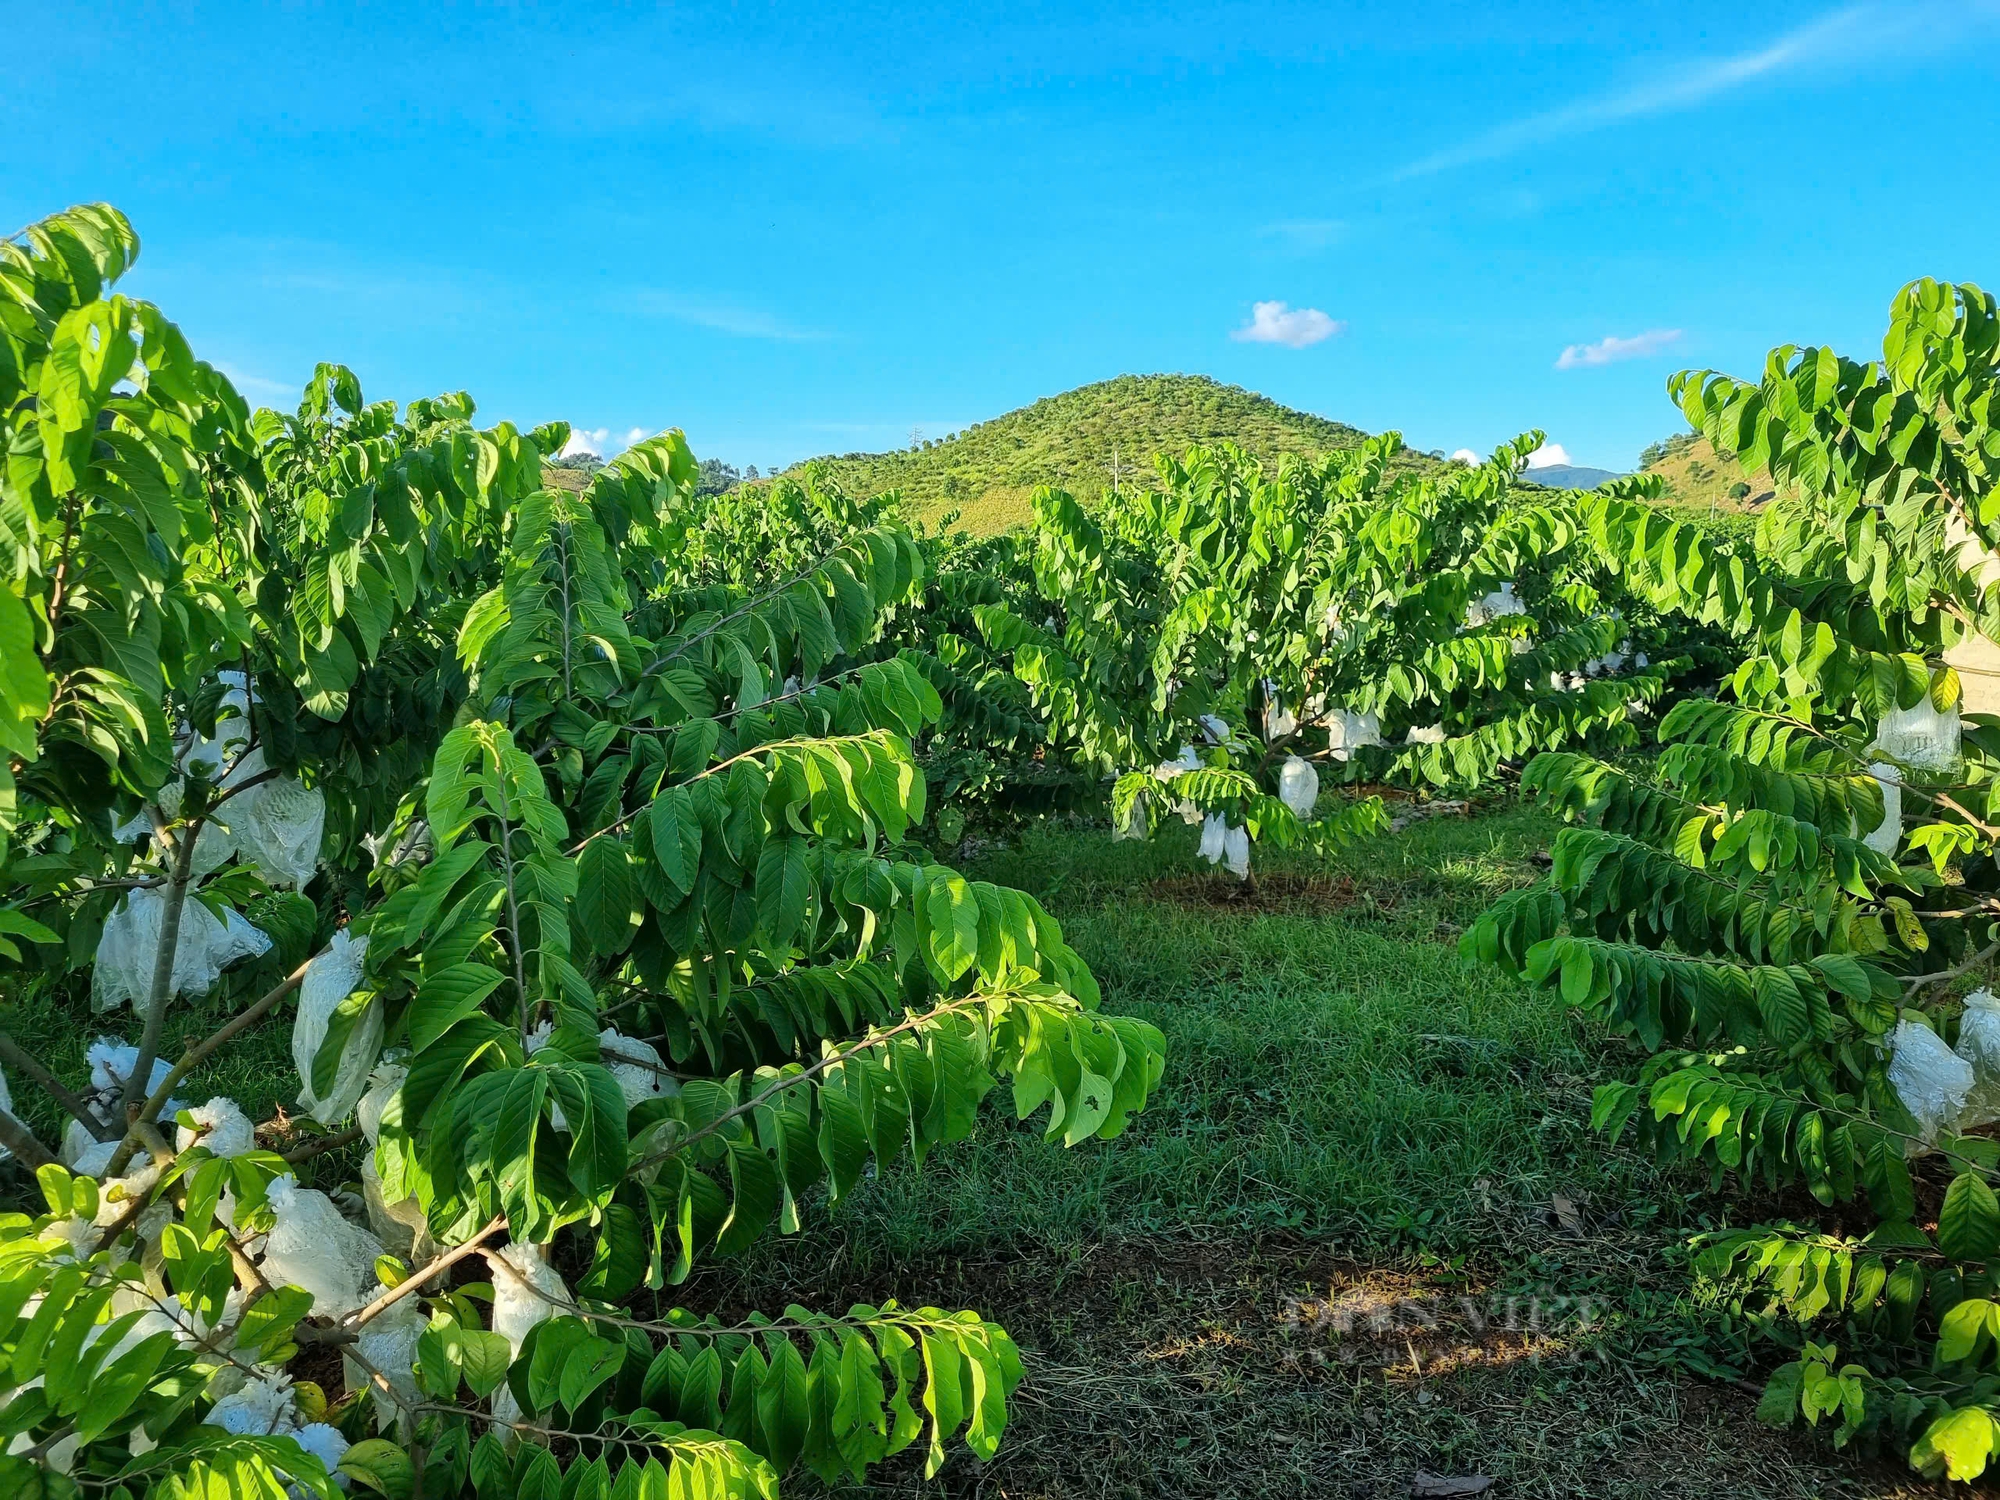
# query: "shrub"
627,953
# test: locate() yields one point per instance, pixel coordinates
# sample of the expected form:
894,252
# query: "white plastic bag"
1236,852
325,1443
526,1290
402,1227
1298,786
1347,732
331,978
263,1405
389,1342
213,846
1279,722
204,948
1214,729
278,823
112,1060
1922,737
1170,770
313,1247
1979,1045
208,756
1427,734
1502,601
636,1065
1214,831
7,1103
383,1081
1932,1080
1887,835
225,1129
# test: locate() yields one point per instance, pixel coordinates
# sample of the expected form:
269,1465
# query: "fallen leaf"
1566,1214
1449,1486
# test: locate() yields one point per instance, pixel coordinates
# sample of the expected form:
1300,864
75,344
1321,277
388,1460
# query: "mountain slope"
1696,476
1076,440
1570,476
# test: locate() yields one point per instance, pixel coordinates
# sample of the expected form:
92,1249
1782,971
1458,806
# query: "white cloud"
1547,455
1295,328
1467,456
1853,32
601,442
1610,349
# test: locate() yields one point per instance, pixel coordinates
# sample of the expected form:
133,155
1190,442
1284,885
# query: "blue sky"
792,229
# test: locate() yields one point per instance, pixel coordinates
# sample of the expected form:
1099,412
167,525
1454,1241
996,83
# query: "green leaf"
382,1466
485,1357
605,894
589,1364
1969,1222
1958,1445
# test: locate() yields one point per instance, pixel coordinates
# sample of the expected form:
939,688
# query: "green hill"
1696,477
1077,440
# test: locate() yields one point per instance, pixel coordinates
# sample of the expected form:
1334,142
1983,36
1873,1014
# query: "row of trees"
587,836
1780,903
588,843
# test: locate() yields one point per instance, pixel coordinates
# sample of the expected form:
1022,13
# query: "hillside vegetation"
1697,477
1079,441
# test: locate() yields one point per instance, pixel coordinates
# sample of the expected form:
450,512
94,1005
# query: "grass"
1292,1276
1363,1229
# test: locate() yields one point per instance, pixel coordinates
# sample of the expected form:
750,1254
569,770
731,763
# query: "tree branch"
12,1053
20,1140
423,1274
163,967
197,1051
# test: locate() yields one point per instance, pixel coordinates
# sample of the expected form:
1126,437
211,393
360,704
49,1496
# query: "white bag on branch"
1502,601
327,1444
1979,1045
1215,729
1236,852
637,1065
262,1406
224,1129
526,1290
213,846
1428,734
1213,833
278,823
1887,835
331,978
1169,770
1347,732
388,1342
313,1247
1923,736
208,756
1298,786
402,1227
1932,1080
130,943
1279,722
